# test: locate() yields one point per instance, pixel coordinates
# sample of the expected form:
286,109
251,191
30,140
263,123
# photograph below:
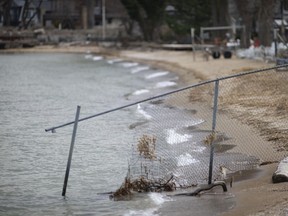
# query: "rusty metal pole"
71,151
216,89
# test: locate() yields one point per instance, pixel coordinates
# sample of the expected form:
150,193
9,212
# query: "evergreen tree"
188,14
148,13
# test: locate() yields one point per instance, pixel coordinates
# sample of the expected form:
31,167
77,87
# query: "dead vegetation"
146,148
210,138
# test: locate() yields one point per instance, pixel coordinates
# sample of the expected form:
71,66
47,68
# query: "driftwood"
281,174
205,188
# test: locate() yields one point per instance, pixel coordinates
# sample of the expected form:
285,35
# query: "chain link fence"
172,144
204,132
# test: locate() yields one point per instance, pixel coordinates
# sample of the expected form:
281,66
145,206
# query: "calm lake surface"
38,91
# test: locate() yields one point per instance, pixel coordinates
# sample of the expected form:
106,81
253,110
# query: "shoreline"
255,195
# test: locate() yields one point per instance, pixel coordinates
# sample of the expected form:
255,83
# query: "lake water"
38,91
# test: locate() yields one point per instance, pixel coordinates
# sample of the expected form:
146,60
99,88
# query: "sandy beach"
255,194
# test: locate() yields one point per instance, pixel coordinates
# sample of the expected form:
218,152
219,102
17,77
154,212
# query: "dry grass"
259,100
146,147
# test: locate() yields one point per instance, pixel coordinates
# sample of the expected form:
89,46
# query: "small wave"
165,84
157,198
194,123
199,149
97,58
186,159
175,138
141,91
158,74
147,212
130,64
112,61
88,56
142,112
138,69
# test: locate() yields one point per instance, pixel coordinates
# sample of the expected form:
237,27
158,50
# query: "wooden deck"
187,46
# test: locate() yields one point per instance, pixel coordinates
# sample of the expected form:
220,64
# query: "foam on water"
186,159
142,112
139,69
97,58
147,212
175,138
165,84
129,64
141,91
88,56
158,74
112,61
195,122
199,149
157,199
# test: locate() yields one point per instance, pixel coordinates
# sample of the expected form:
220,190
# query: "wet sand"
252,193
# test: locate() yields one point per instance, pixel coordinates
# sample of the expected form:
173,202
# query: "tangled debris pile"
146,148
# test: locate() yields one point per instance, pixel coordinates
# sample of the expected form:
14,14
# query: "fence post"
216,88
71,151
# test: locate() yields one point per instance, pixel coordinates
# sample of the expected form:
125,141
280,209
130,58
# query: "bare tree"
24,22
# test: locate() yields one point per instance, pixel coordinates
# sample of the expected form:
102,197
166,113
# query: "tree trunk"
25,14
246,11
265,20
90,14
149,15
6,16
37,10
220,16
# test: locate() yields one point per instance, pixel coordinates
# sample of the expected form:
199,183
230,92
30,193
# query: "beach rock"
281,174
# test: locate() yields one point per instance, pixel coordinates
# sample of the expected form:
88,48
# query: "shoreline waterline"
247,187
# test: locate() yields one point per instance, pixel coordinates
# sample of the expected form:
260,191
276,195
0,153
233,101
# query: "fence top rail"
52,129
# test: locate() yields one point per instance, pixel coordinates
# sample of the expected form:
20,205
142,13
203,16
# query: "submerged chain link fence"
206,131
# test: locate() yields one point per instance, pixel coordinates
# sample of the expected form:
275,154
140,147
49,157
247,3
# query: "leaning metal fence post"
71,151
216,88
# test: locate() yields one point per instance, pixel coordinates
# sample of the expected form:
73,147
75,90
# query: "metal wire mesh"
177,130
174,132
